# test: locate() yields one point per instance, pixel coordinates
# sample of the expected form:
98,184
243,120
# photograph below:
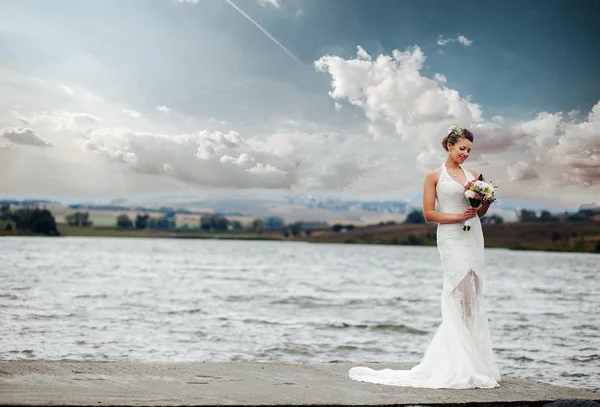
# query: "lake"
218,300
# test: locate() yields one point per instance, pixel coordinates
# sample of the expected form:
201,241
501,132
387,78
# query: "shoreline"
575,237
137,383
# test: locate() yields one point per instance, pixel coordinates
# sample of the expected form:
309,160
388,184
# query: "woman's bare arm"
431,215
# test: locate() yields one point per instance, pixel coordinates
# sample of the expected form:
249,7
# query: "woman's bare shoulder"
433,175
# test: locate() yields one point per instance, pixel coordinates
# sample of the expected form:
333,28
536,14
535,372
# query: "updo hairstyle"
452,138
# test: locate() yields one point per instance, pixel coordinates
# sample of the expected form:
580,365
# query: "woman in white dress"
460,354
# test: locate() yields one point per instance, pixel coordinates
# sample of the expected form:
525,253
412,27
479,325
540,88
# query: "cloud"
317,161
205,158
68,91
443,41
63,122
392,92
267,3
461,39
566,151
522,171
290,160
132,113
164,109
440,78
464,41
24,136
553,150
362,54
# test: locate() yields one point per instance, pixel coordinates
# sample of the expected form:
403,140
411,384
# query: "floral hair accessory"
456,130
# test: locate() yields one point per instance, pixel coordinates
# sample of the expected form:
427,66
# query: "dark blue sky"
526,55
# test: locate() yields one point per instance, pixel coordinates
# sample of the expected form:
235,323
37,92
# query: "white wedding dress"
460,354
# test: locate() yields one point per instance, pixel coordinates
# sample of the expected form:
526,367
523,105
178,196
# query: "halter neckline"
445,166
463,170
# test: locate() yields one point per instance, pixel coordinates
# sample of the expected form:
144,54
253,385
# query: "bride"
460,354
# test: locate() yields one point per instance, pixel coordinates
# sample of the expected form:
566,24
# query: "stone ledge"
91,383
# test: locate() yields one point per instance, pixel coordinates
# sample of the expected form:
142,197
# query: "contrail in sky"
264,31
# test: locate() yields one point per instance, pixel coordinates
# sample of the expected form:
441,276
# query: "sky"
114,98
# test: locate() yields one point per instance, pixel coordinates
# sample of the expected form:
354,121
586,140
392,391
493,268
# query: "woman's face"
461,150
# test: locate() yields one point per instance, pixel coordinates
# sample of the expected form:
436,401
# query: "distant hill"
291,207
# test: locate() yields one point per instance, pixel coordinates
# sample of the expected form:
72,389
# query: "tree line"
31,220
220,223
144,221
526,215
416,217
523,215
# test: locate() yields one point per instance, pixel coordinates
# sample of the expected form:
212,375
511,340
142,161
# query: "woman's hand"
469,213
483,208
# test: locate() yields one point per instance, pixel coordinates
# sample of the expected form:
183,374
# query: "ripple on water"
590,327
9,296
546,290
303,301
186,311
585,358
565,374
49,316
379,327
92,296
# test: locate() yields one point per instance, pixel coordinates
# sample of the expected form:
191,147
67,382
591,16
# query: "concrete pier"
82,383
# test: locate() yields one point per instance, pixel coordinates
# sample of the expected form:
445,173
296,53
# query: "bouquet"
478,191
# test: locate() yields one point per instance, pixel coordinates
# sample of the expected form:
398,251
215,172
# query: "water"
208,300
